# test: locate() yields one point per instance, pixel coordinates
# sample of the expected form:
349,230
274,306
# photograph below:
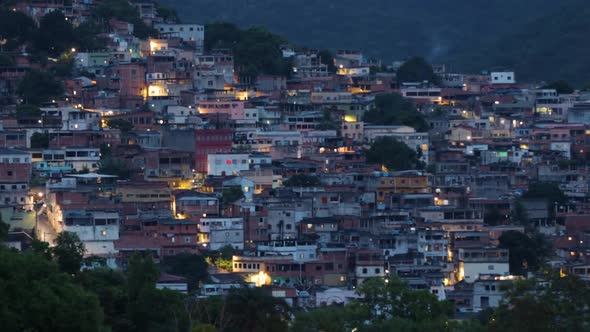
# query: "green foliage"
190,266
86,36
26,110
252,309
391,298
561,86
16,27
142,273
40,141
221,258
527,253
416,69
519,214
493,217
302,180
554,304
548,190
327,58
55,35
166,13
232,194
68,252
159,310
121,124
393,109
330,319
256,50
386,305
123,11
63,67
4,228
37,297
393,154
110,287
327,123
112,166
6,61
38,87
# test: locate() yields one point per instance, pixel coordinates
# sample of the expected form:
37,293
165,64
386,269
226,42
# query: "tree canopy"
117,167
527,252
36,296
393,154
385,305
192,267
393,109
256,51
561,86
553,303
38,87
68,252
302,180
121,124
416,69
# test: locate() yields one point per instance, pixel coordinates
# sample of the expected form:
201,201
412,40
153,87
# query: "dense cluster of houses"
199,135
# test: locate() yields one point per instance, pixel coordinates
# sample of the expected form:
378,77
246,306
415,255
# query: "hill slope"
460,32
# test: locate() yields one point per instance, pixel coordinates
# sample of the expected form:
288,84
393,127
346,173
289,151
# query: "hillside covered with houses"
158,175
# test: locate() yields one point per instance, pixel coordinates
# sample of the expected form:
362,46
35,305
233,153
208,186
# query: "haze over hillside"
467,34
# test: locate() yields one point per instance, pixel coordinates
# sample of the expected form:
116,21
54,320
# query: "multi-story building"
15,175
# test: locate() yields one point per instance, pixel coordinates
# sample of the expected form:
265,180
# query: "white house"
186,32
223,164
502,77
217,233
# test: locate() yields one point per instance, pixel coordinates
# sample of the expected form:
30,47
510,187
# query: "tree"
110,286
26,110
112,166
256,51
393,154
303,180
40,141
123,11
55,34
392,298
4,228
561,86
393,109
192,267
142,273
327,123
335,318
232,194
548,191
416,69
221,258
121,124
493,217
17,28
38,87
552,303
36,296
327,58
68,252
252,309
159,310
526,252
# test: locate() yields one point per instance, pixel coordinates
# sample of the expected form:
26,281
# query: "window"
9,173
377,270
365,270
490,267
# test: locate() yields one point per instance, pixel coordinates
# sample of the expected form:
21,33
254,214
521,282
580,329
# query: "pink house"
235,108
